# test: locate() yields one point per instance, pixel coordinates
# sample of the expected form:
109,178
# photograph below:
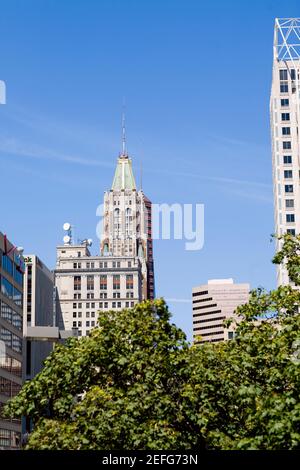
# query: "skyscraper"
127,225
123,274
213,303
285,115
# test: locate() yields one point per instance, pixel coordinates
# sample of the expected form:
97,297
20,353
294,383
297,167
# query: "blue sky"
196,79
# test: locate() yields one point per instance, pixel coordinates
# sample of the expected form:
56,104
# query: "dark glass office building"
11,337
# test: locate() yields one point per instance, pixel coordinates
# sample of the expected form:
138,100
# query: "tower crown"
123,178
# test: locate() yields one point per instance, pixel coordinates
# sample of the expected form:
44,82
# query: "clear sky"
196,79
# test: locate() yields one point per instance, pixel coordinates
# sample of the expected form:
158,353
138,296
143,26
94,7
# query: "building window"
288,188
291,231
129,281
92,323
114,305
116,295
7,264
87,265
74,305
287,159
116,281
79,323
117,222
127,304
284,87
105,304
286,131
285,116
129,264
93,314
103,295
87,324
74,324
290,217
90,295
90,282
230,334
289,203
77,283
79,314
293,74
100,304
285,102
288,174
87,314
74,314
283,74
132,304
119,304
103,282
129,295
286,145
78,254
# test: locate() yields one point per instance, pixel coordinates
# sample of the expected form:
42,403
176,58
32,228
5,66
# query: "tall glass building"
11,337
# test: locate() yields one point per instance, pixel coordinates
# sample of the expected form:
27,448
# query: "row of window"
116,279
9,438
204,292
114,304
10,291
87,324
103,295
202,300
9,388
11,340
102,265
284,73
12,269
8,314
10,364
208,327
204,307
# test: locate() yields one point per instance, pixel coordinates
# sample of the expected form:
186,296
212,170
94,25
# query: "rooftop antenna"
123,131
68,237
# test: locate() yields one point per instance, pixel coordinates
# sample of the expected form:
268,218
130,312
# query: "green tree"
135,383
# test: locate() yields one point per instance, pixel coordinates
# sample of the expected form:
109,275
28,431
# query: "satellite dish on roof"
67,239
66,226
90,242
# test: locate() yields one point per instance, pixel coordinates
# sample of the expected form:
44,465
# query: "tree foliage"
136,383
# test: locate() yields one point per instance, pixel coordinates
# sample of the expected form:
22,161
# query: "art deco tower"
127,225
285,116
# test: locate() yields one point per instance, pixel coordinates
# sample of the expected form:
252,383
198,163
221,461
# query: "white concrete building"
285,115
86,284
212,304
